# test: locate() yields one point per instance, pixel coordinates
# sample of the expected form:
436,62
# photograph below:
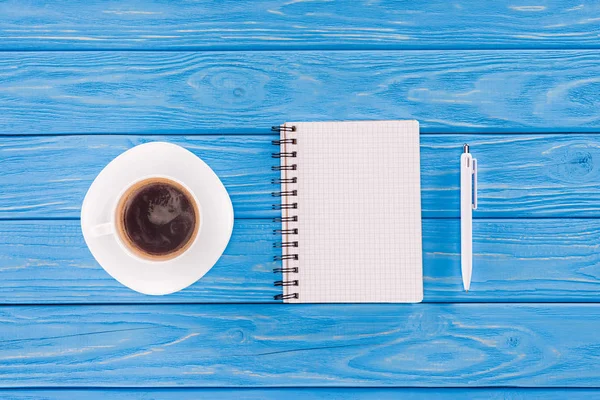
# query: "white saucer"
168,160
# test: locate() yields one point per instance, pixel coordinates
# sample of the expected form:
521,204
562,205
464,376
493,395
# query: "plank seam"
269,219
281,304
262,132
300,48
258,388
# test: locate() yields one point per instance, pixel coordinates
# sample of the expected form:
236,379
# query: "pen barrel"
466,217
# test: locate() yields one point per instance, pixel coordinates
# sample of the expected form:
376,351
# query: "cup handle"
103,229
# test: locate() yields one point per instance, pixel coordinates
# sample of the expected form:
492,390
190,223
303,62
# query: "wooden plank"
549,260
282,24
519,175
49,262
486,345
300,393
48,177
191,92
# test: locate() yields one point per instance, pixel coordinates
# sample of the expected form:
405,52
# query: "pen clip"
474,184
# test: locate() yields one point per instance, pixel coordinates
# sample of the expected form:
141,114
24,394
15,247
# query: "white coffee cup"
100,225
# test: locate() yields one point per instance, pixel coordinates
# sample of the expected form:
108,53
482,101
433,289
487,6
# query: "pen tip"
467,290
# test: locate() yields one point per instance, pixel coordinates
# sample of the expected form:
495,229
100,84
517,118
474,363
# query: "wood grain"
300,394
268,24
49,262
222,74
199,92
519,175
30,187
274,345
549,260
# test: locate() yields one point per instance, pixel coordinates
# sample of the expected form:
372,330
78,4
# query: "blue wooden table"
80,82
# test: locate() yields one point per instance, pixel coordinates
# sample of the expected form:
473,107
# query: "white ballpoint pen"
468,203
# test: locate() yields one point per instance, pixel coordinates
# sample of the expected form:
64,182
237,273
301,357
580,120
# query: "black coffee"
159,218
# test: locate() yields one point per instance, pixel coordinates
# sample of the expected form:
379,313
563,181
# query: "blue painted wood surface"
521,175
82,81
300,394
283,24
239,91
423,345
547,260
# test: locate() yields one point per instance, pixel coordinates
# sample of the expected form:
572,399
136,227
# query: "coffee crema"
157,219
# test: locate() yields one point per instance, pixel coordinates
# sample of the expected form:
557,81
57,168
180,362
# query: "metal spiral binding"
285,231
286,257
287,152
289,206
293,218
283,141
285,180
282,270
284,167
291,154
280,245
286,283
283,128
285,193
286,296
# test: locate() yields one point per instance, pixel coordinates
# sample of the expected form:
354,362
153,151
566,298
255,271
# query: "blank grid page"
359,212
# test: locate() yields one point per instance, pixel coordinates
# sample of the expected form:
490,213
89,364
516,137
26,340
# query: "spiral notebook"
350,212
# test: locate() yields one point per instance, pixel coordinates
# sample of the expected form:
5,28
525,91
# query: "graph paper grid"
359,212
